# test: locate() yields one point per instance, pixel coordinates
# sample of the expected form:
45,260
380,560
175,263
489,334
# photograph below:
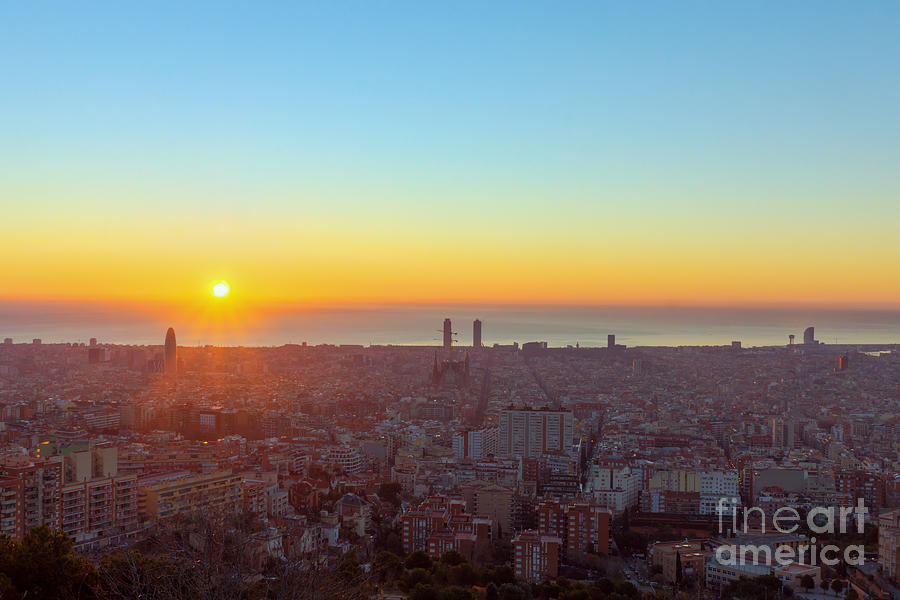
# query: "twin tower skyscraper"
448,334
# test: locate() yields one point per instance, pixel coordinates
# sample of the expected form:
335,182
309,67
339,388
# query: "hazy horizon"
419,324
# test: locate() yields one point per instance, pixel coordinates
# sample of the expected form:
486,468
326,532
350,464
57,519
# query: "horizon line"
357,303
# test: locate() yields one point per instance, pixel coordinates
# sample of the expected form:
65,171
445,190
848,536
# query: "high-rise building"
530,433
536,556
8,341
476,333
93,342
448,334
611,341
552,518
588,529
171,353
494,501
843,362
29,494
477,443
809,335
716,485
889,544
784,432
614,485
859,483
432,516
583,527
79,490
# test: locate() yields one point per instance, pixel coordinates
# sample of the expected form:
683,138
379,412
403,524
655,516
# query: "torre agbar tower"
171,352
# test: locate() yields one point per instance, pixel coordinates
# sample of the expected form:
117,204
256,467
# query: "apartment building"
530,432
581,526
536,556
889,544
165,496
29,494
477,443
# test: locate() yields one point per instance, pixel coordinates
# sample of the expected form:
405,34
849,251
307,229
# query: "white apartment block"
716,485
615,488
530,433
477,444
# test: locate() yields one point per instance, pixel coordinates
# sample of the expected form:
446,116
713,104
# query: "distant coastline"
418,325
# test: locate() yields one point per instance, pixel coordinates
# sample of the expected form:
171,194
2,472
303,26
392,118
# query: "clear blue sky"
748,122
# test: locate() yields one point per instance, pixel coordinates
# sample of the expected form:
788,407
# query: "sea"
421,324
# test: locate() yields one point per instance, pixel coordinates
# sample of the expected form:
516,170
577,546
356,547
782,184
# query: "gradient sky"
610,153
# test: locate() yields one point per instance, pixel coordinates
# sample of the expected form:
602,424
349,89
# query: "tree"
349,567
577,594
424,592
627,589
679,574
807,582
390,541
757,588
455,592
416,577
463,574
133,574
452,558
418,560
43,565
390,492
387,566
497,574
841,568
604,585
510,591
631,541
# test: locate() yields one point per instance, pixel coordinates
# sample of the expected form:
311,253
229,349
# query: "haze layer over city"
421,301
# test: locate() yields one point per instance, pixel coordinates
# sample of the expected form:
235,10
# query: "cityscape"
507,300
397,466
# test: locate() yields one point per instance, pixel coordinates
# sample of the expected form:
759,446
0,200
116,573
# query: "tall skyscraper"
476,333
611,341
809,335
448,334
171,352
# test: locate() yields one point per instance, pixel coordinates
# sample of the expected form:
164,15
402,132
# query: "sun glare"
220,289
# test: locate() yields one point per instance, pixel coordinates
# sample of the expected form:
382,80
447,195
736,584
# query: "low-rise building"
162,497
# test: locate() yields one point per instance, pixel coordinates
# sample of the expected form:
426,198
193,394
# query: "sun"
220,289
